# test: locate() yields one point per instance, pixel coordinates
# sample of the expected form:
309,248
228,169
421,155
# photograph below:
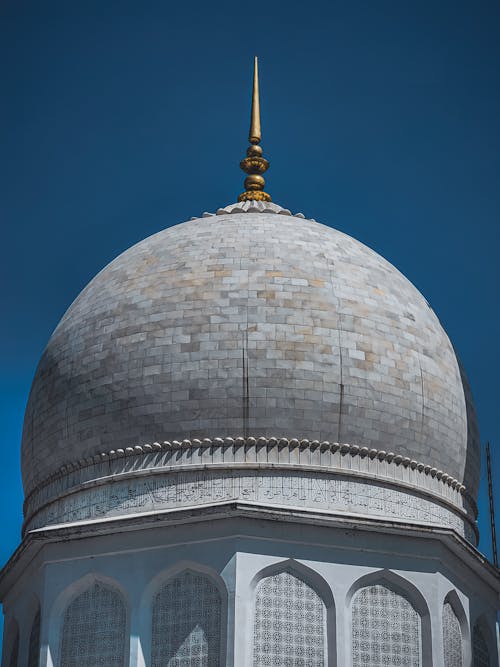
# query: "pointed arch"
453,599
180,566
188,605
384,603
395,582
456,631
71,591
93,616
301,571
294,616
453,652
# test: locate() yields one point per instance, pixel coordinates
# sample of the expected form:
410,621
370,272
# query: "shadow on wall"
186,628
473,457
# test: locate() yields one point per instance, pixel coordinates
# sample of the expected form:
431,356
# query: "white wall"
236,553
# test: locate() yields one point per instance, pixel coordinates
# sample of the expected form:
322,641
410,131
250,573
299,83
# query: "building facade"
249,442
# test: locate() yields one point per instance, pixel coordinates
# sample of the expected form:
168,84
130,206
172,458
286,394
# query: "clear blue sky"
121,118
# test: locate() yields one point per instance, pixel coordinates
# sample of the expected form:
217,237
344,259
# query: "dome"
250,324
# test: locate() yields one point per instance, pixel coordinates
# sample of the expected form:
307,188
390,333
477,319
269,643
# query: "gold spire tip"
254,136
254,164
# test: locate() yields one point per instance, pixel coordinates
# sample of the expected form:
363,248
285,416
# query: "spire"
254,136
254,164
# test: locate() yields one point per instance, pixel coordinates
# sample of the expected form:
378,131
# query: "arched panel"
94,629
452,638
34,647
289,623
186,628
386,629
480,652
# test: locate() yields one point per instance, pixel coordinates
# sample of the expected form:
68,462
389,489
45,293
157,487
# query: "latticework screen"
385,629
480,649
94,629
34,648
290,622
187,615
452,638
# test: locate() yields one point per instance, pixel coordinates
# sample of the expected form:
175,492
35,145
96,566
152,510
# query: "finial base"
254,165
254,195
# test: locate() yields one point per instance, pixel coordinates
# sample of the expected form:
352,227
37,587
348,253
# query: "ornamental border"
426,470
253,206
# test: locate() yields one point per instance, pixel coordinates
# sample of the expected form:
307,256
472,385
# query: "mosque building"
249,442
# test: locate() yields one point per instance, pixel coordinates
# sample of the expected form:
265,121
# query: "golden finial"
254,164
254,136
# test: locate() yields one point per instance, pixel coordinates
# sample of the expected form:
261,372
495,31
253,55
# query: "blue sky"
121,118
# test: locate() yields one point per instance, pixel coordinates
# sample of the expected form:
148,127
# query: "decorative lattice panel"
452,638
480,649
94,629
14,654
385,629
187,623
290,621
34,647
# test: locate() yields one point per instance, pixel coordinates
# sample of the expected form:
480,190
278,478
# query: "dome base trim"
236,456
253,206
326,491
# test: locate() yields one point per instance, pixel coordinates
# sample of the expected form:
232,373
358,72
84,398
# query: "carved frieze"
271,487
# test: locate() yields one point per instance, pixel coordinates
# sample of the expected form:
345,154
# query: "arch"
396,583
161,578
72,590
483,644
310,576
293,616
375,600
188,605
179,566
94,608
453,652
452,598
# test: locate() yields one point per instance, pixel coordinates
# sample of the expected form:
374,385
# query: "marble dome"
250,324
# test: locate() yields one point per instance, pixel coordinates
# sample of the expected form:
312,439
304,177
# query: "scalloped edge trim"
345,448
252,207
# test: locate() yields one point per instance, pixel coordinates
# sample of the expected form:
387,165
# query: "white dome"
250,324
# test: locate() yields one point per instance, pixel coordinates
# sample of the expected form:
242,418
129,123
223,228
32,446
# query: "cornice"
253,206
34,541
237,452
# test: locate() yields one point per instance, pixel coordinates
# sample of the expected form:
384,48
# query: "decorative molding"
236,456
253,206
306,489
281,443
